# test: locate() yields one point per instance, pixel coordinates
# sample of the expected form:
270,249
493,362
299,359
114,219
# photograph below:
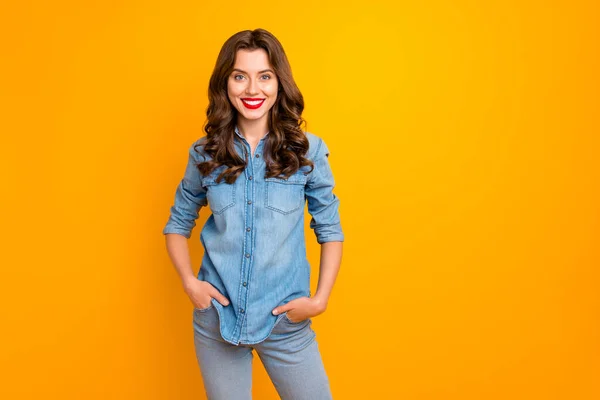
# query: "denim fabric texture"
254,242
290,356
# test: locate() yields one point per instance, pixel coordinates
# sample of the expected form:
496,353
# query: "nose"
251,89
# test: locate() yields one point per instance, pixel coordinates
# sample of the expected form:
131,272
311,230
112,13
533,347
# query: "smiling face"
252,86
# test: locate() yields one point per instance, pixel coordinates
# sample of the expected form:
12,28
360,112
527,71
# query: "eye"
267,75
235,77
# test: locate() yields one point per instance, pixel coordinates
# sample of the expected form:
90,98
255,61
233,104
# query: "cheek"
272,89
233,89
233,99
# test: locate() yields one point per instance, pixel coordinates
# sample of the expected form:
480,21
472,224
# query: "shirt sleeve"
190,197
323,204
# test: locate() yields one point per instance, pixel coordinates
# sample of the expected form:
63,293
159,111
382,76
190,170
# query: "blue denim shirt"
254,244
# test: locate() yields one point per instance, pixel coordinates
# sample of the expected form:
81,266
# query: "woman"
256,169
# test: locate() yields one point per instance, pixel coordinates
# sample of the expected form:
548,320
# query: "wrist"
187,281
321,301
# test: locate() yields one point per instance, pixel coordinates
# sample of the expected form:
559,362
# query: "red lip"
253,107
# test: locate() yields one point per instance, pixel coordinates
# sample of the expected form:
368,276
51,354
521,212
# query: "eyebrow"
260,72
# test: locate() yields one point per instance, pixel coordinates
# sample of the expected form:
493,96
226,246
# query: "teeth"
253,103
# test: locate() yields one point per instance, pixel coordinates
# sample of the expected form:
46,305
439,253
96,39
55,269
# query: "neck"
253,130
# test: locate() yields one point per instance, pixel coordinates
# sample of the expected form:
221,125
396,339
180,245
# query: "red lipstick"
252,103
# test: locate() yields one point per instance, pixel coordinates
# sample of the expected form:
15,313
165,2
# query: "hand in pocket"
201,293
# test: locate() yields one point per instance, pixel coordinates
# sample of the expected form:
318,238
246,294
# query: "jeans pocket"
289,321
201,310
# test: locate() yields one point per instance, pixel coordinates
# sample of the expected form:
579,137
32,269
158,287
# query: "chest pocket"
220,195
285,196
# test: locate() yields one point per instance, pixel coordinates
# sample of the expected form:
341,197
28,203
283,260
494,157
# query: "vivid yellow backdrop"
464,142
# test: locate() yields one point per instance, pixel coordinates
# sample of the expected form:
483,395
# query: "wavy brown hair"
286,144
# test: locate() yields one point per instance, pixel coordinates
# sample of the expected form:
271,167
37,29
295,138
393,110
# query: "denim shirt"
254,243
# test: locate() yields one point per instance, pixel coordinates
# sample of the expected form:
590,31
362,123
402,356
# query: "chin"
251,117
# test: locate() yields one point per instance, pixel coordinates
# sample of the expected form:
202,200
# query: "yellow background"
464,143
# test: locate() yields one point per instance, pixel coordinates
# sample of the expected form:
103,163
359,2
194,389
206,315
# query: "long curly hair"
286,144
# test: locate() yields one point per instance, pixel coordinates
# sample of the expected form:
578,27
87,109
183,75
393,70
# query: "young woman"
256,169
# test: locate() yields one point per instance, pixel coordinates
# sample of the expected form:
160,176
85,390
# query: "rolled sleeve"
323,204
190,197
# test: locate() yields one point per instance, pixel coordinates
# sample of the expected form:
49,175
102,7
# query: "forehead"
252,60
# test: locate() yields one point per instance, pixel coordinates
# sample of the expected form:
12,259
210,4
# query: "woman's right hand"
201,293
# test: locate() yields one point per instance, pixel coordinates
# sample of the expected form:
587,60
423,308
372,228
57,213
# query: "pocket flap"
297,178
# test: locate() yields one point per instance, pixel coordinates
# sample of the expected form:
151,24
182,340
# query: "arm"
177,248
190,197
323,206
331,258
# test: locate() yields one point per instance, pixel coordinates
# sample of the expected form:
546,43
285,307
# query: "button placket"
249,216
252,161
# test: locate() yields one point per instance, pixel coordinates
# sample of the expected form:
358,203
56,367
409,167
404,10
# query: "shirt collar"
237,132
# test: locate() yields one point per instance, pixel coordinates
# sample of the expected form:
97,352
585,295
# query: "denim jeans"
290,355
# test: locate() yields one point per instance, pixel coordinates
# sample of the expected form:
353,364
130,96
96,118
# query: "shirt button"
250,177
245,284
257,156
248,229
247,255
249,201
242,310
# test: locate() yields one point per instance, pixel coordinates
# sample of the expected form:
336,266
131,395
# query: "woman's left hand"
302,308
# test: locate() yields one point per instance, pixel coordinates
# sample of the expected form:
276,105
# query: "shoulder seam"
198,154
318,147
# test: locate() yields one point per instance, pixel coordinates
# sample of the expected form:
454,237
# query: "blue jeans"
290,355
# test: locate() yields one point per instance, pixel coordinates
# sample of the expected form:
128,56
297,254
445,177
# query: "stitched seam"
270,207
212,182
204,309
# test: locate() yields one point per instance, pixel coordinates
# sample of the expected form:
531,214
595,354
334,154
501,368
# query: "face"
252,85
